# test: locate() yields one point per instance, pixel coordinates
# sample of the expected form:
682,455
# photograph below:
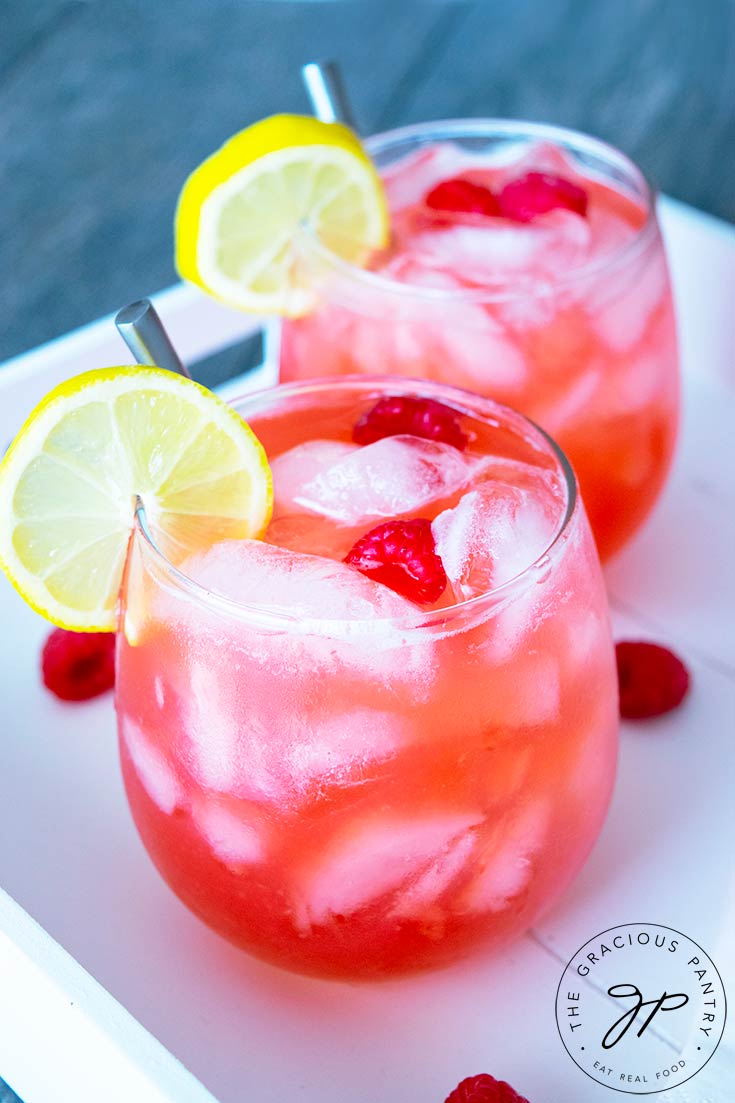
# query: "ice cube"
531,693
485,359
610,231
297,467
550,244
418,270
477,252
374,859
508,861
523,311
544,157
463,334
623,317
384,342
265,747
515,688
586,637
283,753
344,747
459,543
225,750
233,840
407,181
492,535
513,624
392,477
301,587
262,713
575,401
154,772
423,894
640,380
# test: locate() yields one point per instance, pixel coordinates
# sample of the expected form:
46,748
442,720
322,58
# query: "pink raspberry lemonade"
385,733
526,264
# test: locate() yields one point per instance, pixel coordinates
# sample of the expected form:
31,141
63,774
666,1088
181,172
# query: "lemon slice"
70,481
241,212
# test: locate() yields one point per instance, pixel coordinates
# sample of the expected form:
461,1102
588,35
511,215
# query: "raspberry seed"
401,555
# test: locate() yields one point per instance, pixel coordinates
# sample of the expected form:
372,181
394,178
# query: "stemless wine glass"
335,778
567,317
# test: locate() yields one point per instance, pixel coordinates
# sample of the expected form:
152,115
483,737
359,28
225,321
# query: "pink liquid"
567,318
339,780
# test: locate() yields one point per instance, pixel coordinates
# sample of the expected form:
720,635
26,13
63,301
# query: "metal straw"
142,331
326,91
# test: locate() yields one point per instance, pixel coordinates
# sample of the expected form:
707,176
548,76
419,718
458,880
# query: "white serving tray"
110,990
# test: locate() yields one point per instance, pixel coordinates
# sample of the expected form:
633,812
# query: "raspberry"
78,665
462,197
422,417
484,1089
652,679
401,555
538,192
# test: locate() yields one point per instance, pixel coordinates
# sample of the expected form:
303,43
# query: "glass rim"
440,619
509,288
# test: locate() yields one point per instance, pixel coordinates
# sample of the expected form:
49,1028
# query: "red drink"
565,314
341,779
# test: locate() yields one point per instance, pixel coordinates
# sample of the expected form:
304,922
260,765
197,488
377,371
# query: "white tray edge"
60,1021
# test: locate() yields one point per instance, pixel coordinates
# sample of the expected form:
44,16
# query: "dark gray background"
106,107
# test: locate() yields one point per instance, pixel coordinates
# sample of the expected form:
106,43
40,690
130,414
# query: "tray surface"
70,857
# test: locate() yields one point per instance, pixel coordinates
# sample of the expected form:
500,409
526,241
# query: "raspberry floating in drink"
420,417
537,193
401,555
461,196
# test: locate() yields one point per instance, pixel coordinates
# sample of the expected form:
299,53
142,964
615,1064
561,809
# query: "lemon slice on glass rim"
71,480
240,214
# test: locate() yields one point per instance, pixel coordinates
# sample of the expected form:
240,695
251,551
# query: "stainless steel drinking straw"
326,90
142,331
